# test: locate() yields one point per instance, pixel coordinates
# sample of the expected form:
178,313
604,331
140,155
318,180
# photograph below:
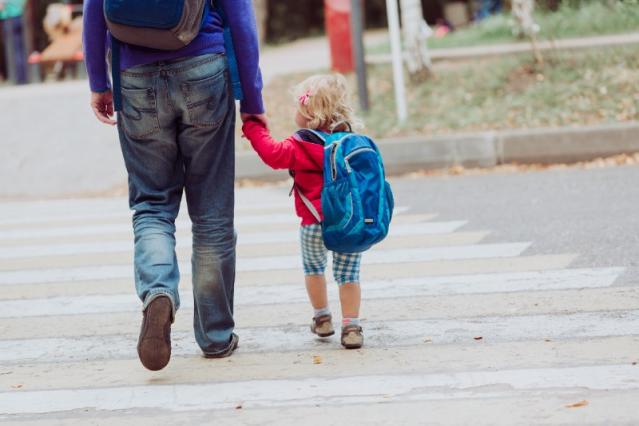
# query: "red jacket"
302,154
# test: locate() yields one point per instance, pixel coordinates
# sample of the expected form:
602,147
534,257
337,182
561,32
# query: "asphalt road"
592,213
495,300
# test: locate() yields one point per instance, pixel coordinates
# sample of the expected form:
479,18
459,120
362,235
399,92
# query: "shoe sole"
349,344
154,350
352,345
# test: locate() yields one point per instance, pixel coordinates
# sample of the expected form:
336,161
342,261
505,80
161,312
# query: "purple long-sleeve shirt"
241,20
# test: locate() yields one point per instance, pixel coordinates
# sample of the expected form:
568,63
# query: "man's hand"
260,117
102,106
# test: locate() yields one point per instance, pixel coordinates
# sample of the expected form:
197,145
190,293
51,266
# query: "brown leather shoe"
154,345
228,351
323,326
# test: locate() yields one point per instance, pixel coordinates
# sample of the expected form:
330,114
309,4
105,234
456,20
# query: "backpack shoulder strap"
230,54
115,74
309,205
308,135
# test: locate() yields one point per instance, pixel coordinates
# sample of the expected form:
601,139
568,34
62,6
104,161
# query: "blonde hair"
324,101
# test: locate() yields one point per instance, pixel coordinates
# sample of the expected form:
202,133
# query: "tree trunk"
415,32
525,24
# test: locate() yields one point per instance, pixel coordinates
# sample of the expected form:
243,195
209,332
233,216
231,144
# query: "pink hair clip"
305,98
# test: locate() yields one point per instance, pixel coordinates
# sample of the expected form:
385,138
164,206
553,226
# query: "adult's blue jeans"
176,130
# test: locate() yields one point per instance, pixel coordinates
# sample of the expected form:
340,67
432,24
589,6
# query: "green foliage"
573,88
590,18
573,18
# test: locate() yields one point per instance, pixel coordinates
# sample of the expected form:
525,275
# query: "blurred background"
40,26
469,67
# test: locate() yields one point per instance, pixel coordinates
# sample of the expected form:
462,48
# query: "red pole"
338,30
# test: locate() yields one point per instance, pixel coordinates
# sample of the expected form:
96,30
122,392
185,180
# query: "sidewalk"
303,55
53,145
313,54
511,48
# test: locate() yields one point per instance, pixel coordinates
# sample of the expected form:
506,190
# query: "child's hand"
260,117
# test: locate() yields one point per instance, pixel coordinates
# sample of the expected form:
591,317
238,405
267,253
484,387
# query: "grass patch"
574,88
590,19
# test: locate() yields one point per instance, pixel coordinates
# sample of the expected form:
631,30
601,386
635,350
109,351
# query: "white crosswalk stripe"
333,391
72,229
264,295
378,335
547,330
13,252
271,263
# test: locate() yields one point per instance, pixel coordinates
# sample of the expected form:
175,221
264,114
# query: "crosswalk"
457,328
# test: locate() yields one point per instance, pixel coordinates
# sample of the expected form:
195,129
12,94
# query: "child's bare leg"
350,296
316,289
346,269
322,324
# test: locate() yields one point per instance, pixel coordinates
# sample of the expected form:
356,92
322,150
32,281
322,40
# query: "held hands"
102,106
260,117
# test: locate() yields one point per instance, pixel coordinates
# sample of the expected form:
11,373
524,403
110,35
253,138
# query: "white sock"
350,321
321,312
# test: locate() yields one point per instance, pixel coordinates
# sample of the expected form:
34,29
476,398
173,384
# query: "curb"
527,146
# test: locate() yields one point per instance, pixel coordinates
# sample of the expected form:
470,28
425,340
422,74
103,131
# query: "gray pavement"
589,212
497,299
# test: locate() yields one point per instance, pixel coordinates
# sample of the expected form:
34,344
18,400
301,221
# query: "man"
13,35
176,132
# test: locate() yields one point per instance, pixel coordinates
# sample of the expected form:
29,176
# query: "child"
322,105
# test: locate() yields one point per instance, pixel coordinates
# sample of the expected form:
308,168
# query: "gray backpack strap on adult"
160,24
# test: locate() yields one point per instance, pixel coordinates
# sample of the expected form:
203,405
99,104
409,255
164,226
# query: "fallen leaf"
317,359
578,404
478,338
16,386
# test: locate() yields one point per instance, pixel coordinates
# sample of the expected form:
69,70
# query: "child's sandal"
352,337
323,326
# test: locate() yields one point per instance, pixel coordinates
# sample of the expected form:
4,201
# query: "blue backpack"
164,25
357,201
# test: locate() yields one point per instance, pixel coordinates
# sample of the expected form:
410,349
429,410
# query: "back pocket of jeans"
207,100
139,113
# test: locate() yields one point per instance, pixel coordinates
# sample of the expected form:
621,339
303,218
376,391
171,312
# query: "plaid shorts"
314,257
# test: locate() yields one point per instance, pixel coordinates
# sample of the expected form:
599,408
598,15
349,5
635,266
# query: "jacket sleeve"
275,154
94,42
241,20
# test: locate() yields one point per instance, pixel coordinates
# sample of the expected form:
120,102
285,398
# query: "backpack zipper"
353,153
333,161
